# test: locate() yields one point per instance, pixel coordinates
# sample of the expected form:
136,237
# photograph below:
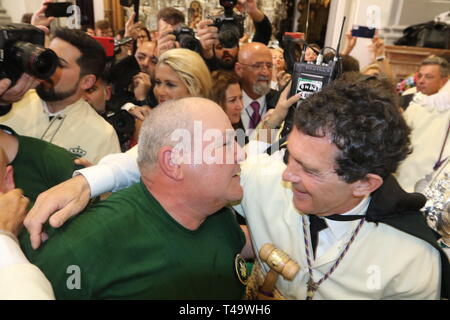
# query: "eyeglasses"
259,65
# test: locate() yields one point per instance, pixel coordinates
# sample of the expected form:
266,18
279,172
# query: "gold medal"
240,267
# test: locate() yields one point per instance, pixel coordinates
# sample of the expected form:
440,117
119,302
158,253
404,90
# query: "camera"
123,123
186,38
230,25
22,51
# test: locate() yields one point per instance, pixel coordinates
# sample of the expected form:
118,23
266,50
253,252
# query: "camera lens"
188,42
229,38
34,59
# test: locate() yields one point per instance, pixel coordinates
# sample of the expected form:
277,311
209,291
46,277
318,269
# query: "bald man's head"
177,117
254,68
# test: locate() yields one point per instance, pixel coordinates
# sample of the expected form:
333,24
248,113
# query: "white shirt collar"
247,100
340,228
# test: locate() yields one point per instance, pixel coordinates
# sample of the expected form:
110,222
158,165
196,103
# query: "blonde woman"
181,73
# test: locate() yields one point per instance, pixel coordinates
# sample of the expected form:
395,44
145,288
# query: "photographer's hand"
166,38
140,112
283,78
251,8
281,109
40,20
350,43
131,27
142,85
14,94
208,36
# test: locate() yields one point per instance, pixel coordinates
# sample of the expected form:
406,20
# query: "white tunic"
78,128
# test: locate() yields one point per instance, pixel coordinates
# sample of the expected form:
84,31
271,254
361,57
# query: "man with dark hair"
347,141
56,111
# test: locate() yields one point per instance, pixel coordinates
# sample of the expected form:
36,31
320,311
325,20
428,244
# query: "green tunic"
128,247
40,165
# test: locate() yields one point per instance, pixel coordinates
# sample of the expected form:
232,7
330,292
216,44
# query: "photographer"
216,55
56,111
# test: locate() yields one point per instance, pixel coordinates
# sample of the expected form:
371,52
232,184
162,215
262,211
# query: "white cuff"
100,179
127,106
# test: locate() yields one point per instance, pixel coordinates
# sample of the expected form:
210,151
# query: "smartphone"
363,32
135,4
58,9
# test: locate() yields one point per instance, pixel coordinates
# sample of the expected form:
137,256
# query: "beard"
261,88
49,94
227,62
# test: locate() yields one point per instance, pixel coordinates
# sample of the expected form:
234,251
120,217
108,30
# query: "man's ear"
9,179
238,69
108,92
87,81
366,186
169,164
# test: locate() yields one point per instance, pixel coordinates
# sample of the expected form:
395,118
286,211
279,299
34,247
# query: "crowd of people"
195,196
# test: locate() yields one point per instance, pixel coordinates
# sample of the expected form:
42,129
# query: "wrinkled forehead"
432,69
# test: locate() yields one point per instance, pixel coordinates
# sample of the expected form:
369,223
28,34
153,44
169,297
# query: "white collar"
247,100
340,228
50,114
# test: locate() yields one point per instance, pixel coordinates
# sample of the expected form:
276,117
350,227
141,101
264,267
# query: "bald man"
170,236
254,68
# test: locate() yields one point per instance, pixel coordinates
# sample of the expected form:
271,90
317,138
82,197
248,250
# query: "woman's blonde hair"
191,69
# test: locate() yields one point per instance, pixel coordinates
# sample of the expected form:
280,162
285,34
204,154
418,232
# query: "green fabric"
128,247
40,165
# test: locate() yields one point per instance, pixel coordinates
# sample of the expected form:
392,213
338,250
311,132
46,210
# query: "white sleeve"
10,253
114,172
127,106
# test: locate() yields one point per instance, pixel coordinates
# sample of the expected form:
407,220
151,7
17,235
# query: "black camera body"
22,51
186,38
230,25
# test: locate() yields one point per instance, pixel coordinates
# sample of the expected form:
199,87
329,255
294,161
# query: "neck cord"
313,286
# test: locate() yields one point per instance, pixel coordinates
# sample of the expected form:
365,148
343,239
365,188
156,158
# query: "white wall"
16,8
99,10
360,12
368,13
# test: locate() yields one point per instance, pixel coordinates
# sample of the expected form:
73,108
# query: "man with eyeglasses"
254,68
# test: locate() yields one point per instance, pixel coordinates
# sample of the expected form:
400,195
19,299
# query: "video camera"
308,78
230,25
186,38
22,51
